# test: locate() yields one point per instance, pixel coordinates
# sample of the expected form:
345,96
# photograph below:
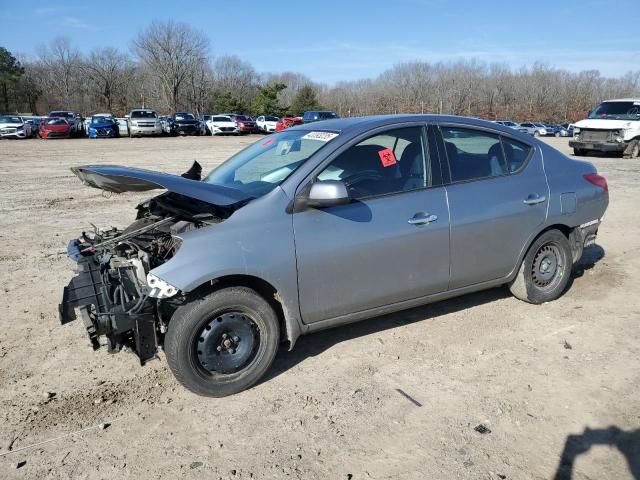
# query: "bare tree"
109,71
171,51
61,62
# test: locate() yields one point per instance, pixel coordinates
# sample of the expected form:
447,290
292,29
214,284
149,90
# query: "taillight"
597,180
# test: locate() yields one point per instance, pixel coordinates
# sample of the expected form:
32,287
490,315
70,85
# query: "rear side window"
516,153
475,154
391,162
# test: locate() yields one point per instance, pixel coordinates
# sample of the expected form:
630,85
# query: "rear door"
498,197
390,244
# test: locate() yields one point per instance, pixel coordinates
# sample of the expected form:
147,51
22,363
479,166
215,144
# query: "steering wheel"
352,181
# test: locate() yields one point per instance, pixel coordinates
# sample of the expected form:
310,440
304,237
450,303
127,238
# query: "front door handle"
422,218
534,199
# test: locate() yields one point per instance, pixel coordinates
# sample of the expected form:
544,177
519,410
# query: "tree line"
170,68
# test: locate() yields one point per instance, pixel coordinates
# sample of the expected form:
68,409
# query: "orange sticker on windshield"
387,157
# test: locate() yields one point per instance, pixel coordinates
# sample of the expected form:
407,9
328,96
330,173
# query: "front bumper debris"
121,327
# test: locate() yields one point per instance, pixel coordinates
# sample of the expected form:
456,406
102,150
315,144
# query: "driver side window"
390,162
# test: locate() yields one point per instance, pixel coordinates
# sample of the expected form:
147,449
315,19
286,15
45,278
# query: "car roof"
356,125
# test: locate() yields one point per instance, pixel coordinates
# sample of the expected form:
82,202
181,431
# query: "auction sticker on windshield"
322,136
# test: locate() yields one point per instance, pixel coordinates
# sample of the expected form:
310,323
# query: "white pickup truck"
614,126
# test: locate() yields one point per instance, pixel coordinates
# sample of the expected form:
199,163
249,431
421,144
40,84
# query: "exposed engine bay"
113,290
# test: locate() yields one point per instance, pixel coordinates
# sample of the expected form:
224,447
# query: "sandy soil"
394,397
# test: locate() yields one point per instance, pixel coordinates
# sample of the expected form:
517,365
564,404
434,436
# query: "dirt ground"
393,397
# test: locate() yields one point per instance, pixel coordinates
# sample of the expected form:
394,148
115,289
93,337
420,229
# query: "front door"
390,244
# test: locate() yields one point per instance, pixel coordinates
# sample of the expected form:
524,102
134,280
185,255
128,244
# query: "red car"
54,127
245,124
286,122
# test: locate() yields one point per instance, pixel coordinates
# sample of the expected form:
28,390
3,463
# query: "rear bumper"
583,236
598,146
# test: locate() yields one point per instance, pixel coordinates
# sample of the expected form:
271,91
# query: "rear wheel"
579,152
536,134
223,343
545,270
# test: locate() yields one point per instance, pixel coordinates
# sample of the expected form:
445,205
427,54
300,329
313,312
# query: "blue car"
103,127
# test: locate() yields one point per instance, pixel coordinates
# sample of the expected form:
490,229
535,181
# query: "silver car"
322,225
535,129
142,121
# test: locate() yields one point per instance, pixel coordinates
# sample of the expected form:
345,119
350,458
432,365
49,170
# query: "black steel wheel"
223,343
227,343
545,270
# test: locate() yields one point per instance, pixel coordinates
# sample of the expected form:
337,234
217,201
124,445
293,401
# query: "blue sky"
331,40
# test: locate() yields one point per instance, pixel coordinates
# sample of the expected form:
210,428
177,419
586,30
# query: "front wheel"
545,270
632,150
223,343
579,152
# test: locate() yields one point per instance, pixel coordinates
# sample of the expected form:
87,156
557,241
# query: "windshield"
264,165
244,118
55,121
327,115
61,114
101,119
4,119
220,119
143,114
184,116
268,118
617,111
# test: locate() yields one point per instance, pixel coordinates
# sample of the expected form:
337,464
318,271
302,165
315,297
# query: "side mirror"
328,193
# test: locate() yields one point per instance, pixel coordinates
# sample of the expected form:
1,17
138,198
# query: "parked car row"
145,122
538,129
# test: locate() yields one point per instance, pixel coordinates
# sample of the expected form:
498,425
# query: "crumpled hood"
604,124
116,179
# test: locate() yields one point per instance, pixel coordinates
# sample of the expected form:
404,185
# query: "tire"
545,270
536,134
557,134
579,152
633,150
196,338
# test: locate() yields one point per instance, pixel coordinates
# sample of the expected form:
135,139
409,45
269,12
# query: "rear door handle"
421,218
534,199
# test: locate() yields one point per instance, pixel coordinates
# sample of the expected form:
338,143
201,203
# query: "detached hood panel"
117,179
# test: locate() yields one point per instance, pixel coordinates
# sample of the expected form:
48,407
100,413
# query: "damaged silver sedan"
321,225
